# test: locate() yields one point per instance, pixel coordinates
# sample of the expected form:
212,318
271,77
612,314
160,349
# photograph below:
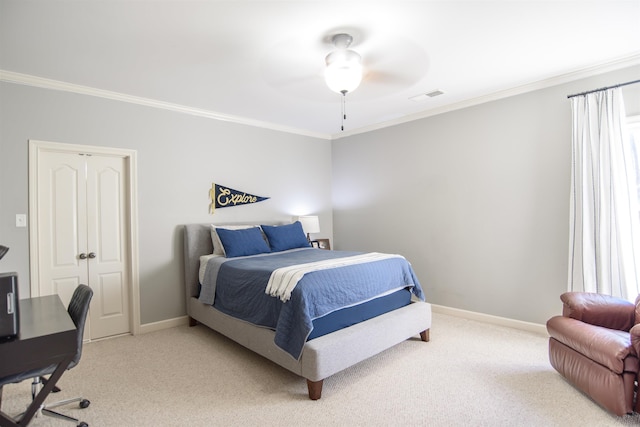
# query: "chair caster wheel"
83,424
84,403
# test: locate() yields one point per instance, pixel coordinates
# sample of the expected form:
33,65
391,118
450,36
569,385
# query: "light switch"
21,220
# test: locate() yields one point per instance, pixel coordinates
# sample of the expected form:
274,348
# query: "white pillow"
218,249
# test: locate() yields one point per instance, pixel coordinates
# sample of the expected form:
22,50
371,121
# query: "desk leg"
5,421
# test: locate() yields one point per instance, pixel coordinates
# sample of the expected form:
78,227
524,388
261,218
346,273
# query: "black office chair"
78,309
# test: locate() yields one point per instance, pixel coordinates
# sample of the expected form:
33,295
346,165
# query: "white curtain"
605,227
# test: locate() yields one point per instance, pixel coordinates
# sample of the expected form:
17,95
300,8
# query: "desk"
47,337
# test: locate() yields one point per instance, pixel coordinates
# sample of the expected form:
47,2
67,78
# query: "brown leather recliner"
595,345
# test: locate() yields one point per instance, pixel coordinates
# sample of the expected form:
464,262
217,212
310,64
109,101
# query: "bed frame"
322,356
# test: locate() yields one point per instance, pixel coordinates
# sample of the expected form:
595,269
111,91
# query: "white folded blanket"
284,280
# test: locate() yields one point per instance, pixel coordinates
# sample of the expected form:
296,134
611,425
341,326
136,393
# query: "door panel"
111,295
62,225
109,189
64,201
106,215
64,286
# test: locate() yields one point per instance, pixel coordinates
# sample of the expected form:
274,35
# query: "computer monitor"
9,316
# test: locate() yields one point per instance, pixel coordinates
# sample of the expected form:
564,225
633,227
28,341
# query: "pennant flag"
223,197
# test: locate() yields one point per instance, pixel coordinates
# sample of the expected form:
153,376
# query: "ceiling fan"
301,66
296,66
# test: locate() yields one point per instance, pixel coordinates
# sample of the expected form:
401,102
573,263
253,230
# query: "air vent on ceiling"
424,96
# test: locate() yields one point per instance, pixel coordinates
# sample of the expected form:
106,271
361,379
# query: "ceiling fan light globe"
343,56
344,70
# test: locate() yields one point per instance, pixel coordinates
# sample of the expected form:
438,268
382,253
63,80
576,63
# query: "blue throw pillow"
283,237
248,241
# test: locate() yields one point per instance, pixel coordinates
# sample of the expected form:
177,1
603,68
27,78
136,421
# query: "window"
633,126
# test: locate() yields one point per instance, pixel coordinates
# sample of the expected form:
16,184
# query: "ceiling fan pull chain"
344,108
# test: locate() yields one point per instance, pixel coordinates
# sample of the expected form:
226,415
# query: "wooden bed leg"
315,389
192,321
424,335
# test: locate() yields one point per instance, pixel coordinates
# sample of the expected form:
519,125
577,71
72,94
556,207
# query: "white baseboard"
471,315
488,318
163,324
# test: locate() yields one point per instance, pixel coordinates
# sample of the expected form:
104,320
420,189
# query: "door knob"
92,255
82,256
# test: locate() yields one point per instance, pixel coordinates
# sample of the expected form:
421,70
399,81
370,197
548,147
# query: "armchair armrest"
634,334
600,310
609,347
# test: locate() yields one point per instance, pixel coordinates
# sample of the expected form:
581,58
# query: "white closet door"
82,234
107,258
62,227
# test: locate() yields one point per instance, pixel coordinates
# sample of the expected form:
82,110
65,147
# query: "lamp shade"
310,223
344,70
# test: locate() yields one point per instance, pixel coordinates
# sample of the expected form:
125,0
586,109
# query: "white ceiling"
261,62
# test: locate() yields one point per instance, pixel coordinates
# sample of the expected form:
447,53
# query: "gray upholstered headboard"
197,242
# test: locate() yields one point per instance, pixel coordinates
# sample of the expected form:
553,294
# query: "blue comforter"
236,286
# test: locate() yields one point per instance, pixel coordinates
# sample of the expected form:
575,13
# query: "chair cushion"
608,347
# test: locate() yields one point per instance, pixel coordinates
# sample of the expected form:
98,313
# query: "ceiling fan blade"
388,78
381,56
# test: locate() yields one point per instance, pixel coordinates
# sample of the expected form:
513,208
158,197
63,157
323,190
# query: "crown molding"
620,63
41,82
29,80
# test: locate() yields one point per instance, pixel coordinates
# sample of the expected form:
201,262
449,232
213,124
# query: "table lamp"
310,224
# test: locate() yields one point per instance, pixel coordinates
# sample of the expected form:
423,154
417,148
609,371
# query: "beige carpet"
470,374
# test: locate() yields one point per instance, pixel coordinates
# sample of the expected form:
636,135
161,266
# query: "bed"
319,357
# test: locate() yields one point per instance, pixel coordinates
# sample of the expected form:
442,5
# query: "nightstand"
321,244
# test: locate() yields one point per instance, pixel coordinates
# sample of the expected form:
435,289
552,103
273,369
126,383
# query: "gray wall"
179,156
477,199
